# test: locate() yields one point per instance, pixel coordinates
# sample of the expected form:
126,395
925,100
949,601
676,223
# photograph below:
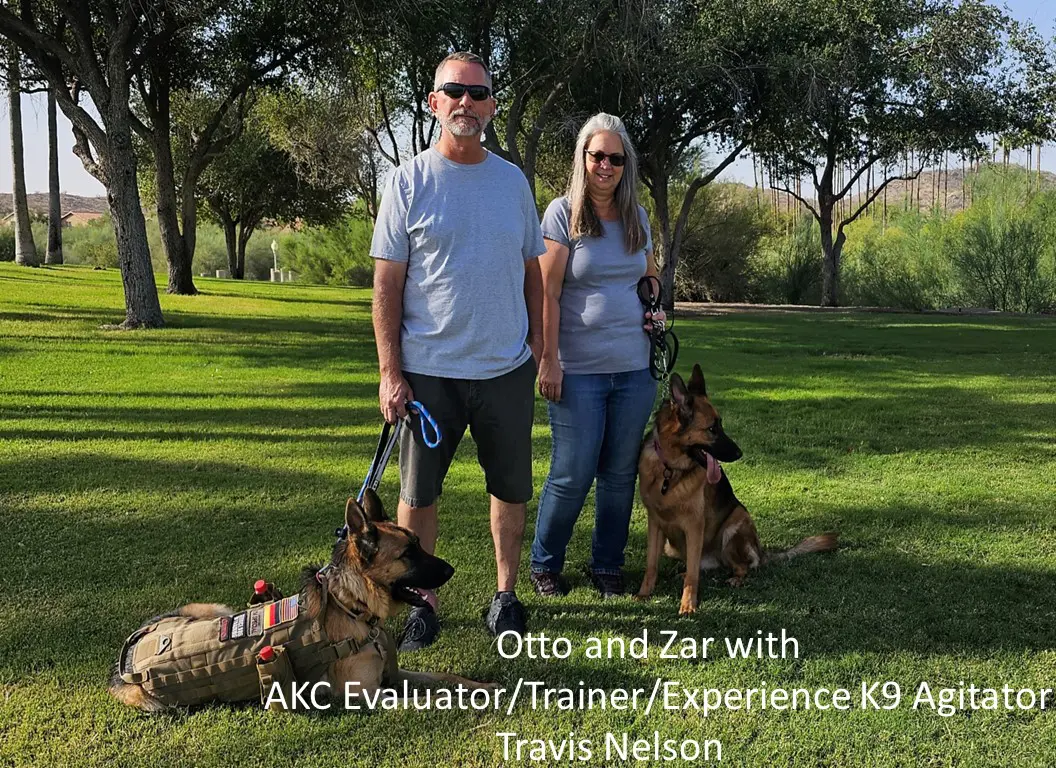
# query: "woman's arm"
553,264
650,265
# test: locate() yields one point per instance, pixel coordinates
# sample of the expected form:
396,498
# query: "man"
458,323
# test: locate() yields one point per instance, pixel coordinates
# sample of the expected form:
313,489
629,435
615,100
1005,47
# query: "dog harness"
183,661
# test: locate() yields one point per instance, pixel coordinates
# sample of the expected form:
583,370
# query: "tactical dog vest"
183,661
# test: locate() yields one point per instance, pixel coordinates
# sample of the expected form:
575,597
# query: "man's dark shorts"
499,413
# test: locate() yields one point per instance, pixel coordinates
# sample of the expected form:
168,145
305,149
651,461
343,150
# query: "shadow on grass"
850,602
242,423
101,573
46,314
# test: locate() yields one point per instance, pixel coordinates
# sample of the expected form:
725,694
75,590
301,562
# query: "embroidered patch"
225,628
256,622
238,626
271,615
288,611
164,643
281,612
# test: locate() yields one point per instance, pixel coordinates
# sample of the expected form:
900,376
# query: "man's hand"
393,395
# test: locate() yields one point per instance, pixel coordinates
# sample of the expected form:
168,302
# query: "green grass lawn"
142,470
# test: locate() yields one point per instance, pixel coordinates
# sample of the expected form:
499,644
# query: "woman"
595,362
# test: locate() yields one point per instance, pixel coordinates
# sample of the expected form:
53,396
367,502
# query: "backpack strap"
124,665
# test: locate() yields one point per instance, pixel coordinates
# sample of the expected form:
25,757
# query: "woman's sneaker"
548,584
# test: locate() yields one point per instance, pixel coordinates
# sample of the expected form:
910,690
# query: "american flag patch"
281,612
288,610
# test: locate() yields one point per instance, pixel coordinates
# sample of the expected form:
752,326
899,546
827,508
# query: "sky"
75,180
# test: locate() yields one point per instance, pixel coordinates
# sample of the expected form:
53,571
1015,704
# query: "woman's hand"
660,316
550,377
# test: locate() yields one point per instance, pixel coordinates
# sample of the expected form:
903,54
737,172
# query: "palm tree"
54,203
25,251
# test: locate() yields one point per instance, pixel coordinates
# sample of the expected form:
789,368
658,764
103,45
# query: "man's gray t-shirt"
465,232
601,316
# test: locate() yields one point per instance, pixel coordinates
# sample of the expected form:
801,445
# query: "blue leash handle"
425,418
390,435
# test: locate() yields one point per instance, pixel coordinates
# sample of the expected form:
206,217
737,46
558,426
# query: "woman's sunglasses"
457,91
615,158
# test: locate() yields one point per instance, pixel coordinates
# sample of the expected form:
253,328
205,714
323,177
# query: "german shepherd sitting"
690,501
375,566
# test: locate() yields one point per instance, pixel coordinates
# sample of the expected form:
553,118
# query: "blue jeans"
596,431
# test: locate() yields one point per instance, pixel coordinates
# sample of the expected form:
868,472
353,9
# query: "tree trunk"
142,308
180,277
177,254
230,243
25,250
663,251
54,255
831,250
244,233
189,220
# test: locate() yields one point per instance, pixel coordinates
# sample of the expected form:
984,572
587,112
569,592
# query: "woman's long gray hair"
584,219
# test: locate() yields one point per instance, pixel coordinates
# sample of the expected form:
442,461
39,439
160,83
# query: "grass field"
143,470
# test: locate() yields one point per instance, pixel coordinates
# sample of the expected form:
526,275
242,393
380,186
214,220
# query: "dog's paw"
735,581
643,596
687,609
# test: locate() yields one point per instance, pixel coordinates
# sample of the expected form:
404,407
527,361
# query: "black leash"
390,435
663,341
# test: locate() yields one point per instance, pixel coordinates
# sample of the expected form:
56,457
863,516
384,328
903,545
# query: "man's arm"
394,392
533,299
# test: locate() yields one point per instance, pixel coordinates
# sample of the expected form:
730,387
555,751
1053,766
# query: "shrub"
904,264
334,255
92,243
1003,251
788,266
7,244
722,236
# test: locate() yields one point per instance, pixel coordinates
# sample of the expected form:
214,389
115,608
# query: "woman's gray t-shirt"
601,316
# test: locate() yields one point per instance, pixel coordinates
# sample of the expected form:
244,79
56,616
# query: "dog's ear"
372,507
696,381
356,519
679,393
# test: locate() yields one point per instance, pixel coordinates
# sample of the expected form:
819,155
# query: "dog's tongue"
714,470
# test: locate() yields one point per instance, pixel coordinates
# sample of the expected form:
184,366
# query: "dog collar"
322,578
668,471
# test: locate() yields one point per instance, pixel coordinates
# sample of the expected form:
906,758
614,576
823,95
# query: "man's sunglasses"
615,158
457,91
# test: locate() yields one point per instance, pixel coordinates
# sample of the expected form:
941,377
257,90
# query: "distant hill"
38,203
946,188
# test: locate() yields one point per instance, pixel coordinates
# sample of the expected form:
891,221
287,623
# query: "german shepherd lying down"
693,513
373,568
